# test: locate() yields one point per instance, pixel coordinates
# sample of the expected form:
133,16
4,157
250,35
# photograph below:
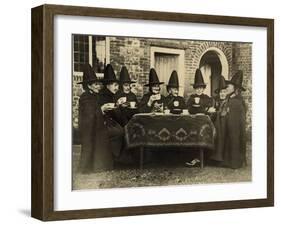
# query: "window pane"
82,58
76,57
75,46
81,47
76,67
99,51
81,51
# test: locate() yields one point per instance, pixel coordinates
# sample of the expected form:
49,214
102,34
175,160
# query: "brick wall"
135,55
242,60
76,92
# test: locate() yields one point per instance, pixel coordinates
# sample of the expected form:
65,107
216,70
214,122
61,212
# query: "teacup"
197,100
167,111
111,105
122,100
132,104
185,112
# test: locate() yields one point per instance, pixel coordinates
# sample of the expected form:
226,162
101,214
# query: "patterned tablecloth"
154,130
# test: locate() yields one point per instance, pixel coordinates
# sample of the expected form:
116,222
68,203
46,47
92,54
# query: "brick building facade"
185,56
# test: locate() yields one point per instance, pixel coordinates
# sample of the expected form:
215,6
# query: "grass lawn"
157,174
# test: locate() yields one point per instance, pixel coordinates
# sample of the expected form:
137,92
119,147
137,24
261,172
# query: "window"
81,51
89,49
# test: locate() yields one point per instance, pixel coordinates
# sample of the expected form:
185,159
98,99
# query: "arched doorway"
213,63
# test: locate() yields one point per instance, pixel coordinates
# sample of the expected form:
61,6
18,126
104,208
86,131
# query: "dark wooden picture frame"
42,203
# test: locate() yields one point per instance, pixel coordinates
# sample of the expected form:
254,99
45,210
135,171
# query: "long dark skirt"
95,150
220,125
115,136
235,140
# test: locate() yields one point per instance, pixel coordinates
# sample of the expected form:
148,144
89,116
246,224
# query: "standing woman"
126,99
235,156
95,152
152,101
220,117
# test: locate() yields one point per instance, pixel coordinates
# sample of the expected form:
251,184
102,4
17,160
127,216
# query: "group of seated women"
107,105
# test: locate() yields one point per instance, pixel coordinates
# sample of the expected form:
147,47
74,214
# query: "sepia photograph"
160,112
147,112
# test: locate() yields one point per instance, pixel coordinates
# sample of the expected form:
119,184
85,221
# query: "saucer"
176,111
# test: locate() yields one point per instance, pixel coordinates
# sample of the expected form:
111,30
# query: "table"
170,130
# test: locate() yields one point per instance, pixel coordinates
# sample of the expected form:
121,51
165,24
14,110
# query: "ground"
156,174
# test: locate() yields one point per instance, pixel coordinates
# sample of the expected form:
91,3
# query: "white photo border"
67,199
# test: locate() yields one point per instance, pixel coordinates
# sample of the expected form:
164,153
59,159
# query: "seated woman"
95,151
199,102
173,101
126,99
111,113
152,101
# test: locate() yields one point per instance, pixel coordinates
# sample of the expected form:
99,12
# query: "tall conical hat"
153,78
237,80
174,80
198,80
124,76
109,75
89,74
222,84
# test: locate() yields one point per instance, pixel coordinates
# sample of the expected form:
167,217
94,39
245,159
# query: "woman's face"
155,89
95,87
223,94
126,88
230,88
199,90
174,91
113,87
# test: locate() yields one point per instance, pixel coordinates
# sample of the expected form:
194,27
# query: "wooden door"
211,68
164,65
